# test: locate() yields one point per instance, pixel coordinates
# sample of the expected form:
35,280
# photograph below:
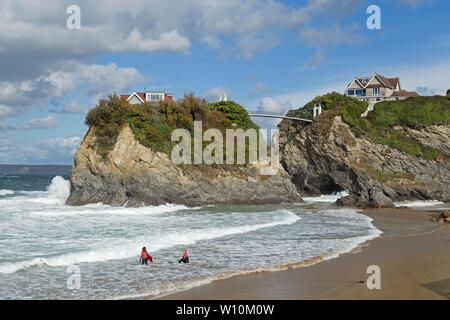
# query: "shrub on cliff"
330,101
107,119
235,113
152,124
417,112
414,112
380,124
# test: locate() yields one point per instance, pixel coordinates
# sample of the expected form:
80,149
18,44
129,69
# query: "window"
350,92
156,97
359,92
376,91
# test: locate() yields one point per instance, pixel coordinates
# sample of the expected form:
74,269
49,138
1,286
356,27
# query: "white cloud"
331,35
435,77
63,145
315,60
96,81
72,107
426,91
169,41
414,3
50,121
55,150
39,30
272,106
248,45
281,104
212,42
214,94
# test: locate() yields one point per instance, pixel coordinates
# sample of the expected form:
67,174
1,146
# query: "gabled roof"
139,95
390,83
357,81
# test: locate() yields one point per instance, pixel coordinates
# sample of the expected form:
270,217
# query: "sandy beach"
412,254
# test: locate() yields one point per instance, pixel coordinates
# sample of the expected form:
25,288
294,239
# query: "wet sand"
413,255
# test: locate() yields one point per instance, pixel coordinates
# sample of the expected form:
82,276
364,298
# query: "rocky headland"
401,151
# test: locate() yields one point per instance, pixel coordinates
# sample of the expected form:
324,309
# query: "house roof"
390,83
404,93
357,81
139,95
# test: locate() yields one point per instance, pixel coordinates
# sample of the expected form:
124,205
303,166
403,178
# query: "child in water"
145,256
185,257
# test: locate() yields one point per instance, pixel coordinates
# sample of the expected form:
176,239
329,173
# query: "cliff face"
134,175
326,156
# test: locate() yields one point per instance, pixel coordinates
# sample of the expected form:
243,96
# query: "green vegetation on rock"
107,120
330,101
152,124
385,125
235,113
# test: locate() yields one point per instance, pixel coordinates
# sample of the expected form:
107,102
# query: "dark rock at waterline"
134,175
326,157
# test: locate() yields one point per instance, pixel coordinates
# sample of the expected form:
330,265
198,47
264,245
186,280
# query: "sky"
270,56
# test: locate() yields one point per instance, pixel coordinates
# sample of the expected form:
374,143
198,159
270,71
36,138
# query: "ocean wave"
328,198
102,209
164,241
418,204
57,193
6,192
171,288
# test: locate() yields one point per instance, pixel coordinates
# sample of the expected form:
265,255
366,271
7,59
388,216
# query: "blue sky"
267,55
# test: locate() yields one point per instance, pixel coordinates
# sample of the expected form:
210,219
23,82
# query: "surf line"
187,310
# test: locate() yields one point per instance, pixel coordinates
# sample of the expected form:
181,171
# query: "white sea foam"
54,235
5,192
51,203
351,244
164,241
419,204
328,198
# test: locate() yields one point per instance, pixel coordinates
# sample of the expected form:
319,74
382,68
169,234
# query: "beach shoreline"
411,253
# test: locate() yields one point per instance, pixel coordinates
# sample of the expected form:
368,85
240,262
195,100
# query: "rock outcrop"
134,175
326,157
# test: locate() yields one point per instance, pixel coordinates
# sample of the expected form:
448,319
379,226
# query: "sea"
49,250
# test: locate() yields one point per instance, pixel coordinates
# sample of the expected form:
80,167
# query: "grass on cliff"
385,124
152,124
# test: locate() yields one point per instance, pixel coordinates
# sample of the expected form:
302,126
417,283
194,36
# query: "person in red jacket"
145,256
185,257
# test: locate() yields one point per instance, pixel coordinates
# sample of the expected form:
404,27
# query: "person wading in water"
185,257
145,256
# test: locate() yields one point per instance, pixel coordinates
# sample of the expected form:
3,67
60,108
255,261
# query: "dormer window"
155,97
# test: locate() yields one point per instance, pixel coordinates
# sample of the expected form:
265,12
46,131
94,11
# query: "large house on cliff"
377,88
148,96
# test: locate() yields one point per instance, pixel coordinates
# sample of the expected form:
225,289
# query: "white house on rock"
377,88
